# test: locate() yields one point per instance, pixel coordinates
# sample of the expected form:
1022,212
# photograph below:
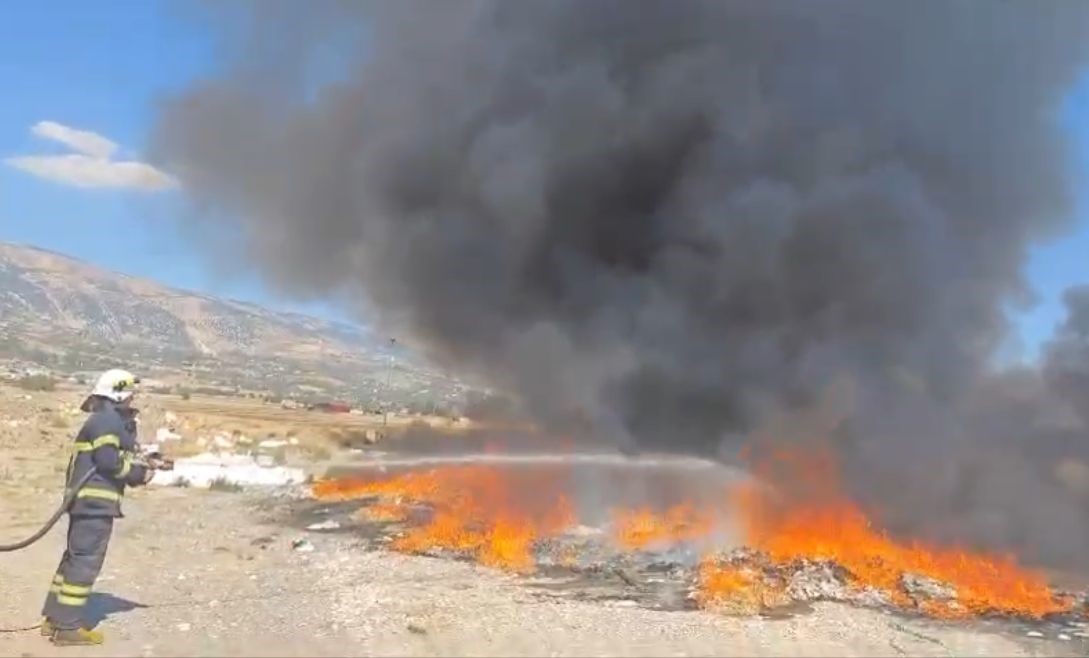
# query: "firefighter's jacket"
107,445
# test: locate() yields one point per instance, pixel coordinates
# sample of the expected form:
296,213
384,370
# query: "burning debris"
824,549
750,582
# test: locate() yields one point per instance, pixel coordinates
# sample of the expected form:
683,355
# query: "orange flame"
815,521
639,528
740,590
496,515
391,512
477,510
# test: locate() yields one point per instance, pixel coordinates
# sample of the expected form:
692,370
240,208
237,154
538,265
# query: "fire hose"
160,462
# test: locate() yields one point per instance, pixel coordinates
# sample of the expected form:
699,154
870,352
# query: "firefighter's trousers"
88,537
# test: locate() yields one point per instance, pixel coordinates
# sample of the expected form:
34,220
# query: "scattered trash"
417,629
1034,634
222,442
302,545
1064,637
327,524
272,443
184,627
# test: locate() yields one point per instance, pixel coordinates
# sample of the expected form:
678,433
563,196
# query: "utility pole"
389,380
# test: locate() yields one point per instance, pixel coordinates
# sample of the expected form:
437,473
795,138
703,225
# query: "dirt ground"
198,573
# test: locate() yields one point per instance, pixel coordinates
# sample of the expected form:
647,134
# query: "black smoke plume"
676,225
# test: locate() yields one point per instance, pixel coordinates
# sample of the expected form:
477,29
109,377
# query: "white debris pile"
204,469
817,581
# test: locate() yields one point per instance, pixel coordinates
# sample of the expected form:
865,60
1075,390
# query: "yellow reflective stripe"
106,440
104,494
126,466
76,590
71,600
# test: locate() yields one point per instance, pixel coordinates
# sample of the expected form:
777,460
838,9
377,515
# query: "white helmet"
117,385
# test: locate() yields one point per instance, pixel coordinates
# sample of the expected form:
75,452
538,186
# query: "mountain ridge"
45,293
76,317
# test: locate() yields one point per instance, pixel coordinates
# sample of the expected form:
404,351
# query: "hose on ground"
65,504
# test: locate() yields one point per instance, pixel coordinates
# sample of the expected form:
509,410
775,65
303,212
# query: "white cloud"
85,171
92,165
84,141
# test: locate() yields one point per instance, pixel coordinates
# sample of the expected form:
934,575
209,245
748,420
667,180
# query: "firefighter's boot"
47,627
79,637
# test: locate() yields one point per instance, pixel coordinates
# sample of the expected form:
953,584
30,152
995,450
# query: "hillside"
74,316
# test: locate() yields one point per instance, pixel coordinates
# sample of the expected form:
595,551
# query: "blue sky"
100,66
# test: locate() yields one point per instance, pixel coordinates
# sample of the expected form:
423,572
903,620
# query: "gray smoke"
679,224
1067,364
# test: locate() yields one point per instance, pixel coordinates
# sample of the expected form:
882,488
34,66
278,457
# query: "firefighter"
107,445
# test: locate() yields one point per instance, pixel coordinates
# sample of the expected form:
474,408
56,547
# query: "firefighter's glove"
160,463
